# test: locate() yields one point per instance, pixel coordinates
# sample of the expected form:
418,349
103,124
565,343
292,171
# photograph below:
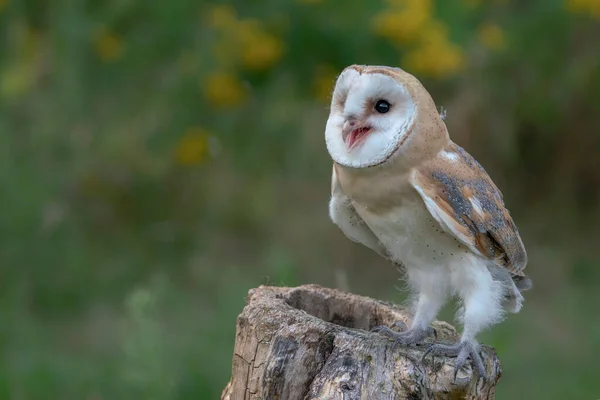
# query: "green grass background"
122,268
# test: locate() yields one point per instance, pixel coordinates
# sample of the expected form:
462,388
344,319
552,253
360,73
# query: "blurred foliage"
159,159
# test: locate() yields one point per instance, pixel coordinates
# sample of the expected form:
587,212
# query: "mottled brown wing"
462,197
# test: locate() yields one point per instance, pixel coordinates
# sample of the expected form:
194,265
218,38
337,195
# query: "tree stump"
311,342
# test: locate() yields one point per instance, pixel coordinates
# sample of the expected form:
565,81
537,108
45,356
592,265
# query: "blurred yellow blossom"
19,77
17,80
108,45
591,7
471,3
324,81
223,89
433,54
434,32
491,35
412,22
425,5
404,21
260,50
244,42
437,58
222,16
32,40
398,26
193,147
3,4
25,39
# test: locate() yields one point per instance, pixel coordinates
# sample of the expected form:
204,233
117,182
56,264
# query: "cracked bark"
310,343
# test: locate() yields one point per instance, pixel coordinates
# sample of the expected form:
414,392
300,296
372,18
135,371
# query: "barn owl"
401,187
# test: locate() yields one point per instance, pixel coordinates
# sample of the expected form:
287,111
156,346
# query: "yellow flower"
594,9
223,89
3,4
193,147
222,16
261,53
406,21
19,77
591,7
31,41
491,35
422,5
472,3
108,46
17,80
575,6
434,32
260,50
436,59
247,43
400,26
323,82
434,54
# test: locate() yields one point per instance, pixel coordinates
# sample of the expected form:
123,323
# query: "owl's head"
380,112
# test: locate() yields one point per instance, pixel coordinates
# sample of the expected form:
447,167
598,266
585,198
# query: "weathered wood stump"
311,342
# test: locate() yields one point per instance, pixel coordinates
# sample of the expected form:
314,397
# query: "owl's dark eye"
382,106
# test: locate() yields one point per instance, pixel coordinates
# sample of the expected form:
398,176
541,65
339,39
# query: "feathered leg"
482,297
432,294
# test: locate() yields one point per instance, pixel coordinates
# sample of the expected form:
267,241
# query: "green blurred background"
158,159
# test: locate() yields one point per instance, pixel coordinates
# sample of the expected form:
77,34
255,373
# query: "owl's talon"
383,329
406,338
462,351
401,325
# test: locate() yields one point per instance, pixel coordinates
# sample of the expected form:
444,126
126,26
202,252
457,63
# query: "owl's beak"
354,133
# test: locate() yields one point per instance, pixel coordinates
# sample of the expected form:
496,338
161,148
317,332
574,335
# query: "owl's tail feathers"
513,300
523,283
513,285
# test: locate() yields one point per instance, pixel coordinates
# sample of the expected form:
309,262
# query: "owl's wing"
344,215
461,196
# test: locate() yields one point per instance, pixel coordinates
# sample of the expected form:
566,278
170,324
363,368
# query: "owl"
401,187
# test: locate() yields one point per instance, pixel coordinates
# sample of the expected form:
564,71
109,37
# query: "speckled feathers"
460,194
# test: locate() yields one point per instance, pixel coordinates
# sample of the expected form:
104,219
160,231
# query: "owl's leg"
482,298
432,297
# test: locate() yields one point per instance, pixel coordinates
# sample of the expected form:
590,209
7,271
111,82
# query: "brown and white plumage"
461,196
401,187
